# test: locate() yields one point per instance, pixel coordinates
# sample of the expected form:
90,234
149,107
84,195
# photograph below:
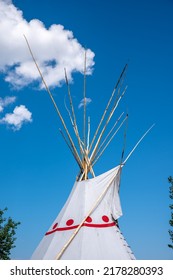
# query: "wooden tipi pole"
108,104
55,105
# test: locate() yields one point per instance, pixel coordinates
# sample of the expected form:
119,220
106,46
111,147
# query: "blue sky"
36,168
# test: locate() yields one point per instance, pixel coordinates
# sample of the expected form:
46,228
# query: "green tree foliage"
170,180
7,235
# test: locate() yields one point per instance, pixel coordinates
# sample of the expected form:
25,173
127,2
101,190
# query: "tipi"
87,226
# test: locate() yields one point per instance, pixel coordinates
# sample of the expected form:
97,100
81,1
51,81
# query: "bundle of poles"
87,154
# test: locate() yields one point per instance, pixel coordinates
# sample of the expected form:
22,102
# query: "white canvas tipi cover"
96,202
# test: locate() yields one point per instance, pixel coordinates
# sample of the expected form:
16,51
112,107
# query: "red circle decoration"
88,219
105,219
55,225
70,222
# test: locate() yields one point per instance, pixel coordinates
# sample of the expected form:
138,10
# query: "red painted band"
84,225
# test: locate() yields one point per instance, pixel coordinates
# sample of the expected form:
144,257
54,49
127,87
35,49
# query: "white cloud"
16,119
87,101
54,48
6,101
